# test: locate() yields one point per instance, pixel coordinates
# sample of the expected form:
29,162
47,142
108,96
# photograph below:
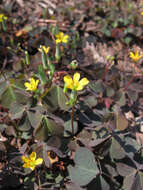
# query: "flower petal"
79,87
26,165
61,34
84,81
32,81
136,54
131,54
65,39
76,77
25,158
33,156
27,85
58,41
39,161
32,168
68,80
37,81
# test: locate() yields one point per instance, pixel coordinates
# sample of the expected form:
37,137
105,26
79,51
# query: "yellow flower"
61,38
45,49
141,13
75,83
2,16
135,56
32,85
31,162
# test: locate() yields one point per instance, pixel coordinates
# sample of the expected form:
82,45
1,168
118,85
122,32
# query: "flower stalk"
57,53
2,20
74,84
27,58
44,50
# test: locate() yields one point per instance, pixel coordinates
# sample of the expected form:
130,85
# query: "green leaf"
97,86
138,182
8,97
42,131
117,151
91,101
48,128
24,124
120,98
68,128
42,75
109,91
23,97
128,182
34,117
127,40
73,186
131,145
50,101
85,168
55,129
16,110
121,121
124,169
3,87
133,95
62,99
134,181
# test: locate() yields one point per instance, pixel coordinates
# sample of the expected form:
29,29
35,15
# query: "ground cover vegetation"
71,95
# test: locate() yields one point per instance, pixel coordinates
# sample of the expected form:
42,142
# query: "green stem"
57,53
72,120
44,60
4,25
27,58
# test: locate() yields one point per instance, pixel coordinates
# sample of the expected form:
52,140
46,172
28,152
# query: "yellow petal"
76,77
32,168
79,87
27,85
39,161
33,156
26,165
58,41
68,80
61,34
32,81
37,81
136,54
25,158
84,81
46,49
131,54
65,38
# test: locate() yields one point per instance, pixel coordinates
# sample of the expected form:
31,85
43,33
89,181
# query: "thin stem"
130,81
105,72
72,119
37,179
